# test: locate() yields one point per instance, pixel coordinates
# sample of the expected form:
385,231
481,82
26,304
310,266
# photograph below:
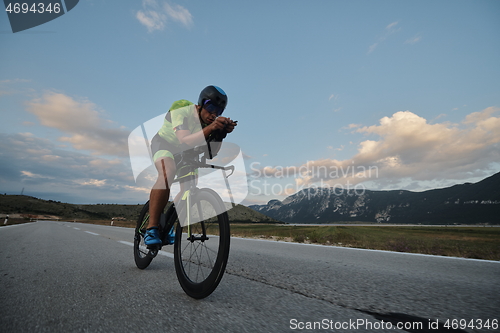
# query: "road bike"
201,225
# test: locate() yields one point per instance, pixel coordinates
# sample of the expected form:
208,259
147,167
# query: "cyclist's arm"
198,138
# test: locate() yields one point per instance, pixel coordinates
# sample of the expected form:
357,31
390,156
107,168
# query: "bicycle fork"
191,237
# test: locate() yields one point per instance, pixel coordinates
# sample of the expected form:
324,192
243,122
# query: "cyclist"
185,126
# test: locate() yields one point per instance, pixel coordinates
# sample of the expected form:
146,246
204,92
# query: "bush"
300,238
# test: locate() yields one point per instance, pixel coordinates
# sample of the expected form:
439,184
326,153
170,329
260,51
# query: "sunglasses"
212,108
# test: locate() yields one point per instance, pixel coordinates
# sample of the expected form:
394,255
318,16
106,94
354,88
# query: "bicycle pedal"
153,252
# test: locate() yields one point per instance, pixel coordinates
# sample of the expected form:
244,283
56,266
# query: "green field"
467,242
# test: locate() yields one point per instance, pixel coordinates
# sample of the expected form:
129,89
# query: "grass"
467,242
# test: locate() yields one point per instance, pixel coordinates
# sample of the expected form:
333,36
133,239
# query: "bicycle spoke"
208,256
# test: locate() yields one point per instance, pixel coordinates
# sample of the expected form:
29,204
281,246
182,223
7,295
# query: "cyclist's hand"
230,125
219,123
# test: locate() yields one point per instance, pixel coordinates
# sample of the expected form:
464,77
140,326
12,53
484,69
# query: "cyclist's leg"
158,198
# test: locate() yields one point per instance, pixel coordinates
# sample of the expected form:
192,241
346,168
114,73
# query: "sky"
377,95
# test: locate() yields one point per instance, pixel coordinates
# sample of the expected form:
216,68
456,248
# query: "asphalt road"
61,276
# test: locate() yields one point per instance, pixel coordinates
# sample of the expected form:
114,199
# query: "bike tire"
142,255
200,263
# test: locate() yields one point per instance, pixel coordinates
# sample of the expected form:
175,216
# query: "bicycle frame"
191,161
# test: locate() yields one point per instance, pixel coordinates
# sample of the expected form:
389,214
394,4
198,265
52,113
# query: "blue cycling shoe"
152,237
171,237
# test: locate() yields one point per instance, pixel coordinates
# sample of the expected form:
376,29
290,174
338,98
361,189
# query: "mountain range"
459,204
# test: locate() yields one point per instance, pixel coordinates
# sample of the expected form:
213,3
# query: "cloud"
151,19
12,86
82,121
155,16
50,172
14,81
413,40
34,175
179,14
352,126
388,31
391,27
372,48
91,182
439,116
408,148
334,97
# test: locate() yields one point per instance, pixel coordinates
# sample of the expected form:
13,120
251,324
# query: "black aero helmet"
216,95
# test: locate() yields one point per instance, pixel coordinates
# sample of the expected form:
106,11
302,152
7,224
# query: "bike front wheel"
202,249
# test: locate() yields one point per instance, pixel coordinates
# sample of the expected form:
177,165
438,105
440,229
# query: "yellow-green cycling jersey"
182,115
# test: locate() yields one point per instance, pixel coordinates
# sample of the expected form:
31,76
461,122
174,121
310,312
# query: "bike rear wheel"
142,255
202,249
